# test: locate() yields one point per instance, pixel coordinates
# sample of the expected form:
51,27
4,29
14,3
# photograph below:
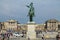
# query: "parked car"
17,34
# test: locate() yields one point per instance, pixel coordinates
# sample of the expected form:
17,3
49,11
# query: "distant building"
52,25
0,26
11,24
48,27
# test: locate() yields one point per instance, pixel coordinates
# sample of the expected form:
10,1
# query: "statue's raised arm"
31,12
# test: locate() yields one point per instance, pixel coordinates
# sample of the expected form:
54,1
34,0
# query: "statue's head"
31,4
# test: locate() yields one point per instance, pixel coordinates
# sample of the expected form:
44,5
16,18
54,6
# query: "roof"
11,20
52,20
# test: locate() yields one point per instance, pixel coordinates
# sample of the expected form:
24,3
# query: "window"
11,22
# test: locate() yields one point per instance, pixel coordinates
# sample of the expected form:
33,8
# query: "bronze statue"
31,12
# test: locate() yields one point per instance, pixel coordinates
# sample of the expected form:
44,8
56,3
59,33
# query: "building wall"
40,27
52,26
10,25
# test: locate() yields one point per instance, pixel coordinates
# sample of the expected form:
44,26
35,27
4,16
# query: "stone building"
52,25
59,26
0,26
10,24
39,28
49,25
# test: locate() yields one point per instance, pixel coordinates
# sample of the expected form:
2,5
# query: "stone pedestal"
31,30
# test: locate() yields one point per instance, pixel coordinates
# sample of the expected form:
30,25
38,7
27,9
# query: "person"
57,37
8,35
28,38
3,35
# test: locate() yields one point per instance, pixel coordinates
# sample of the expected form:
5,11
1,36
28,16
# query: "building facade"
10,25
50,26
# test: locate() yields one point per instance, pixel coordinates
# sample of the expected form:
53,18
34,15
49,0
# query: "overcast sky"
16,9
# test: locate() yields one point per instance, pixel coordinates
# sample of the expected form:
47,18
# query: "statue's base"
31,30
31,22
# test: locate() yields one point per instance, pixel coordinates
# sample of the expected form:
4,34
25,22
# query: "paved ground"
20,38
32,39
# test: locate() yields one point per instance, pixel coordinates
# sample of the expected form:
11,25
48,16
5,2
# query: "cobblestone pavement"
31,39
20,38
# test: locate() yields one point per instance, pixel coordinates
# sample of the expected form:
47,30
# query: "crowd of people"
4,36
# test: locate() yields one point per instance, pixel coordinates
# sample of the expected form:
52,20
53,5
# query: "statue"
31,12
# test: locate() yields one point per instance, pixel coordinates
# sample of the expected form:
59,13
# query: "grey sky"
16,9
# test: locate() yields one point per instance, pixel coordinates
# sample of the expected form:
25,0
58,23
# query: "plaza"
41,31
13,30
